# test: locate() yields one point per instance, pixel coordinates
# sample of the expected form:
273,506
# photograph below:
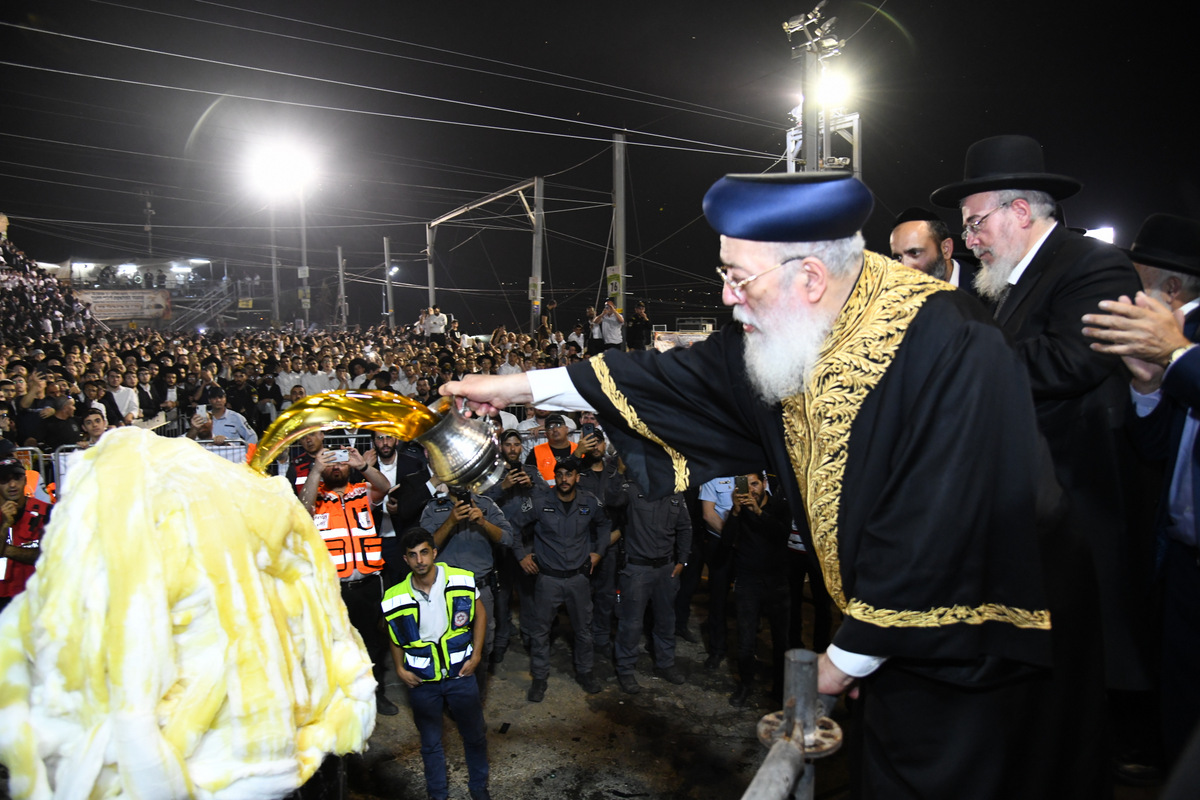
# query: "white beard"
781,352
990,281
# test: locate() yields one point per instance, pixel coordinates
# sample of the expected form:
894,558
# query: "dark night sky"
413,109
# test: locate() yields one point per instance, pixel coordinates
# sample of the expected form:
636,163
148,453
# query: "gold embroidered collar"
857,353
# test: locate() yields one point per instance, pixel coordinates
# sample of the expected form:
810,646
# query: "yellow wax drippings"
183,636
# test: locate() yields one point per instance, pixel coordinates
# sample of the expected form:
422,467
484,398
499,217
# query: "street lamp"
278,170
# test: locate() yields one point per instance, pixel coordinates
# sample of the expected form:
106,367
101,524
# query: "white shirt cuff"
1143,404
853,664
552,390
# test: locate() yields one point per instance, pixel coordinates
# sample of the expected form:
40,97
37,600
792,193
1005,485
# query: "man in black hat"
1044,278
921,240
1154,333
926,532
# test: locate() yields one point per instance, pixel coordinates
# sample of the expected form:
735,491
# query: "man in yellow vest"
438,632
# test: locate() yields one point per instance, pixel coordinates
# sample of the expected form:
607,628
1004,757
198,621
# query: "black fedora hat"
1005,162
1168,242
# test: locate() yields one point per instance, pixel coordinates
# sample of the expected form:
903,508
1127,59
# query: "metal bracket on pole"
800,733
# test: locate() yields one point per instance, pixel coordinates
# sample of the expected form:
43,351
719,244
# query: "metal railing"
203,308
235,450
64,459
32,458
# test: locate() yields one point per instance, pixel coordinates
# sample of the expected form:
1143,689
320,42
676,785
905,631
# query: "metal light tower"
817,119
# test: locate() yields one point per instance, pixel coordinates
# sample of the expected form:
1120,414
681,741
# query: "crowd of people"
68,387
949,459
32,302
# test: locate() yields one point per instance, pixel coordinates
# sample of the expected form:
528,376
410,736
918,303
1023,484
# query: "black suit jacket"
1159,435
149,401
412,494
966,279
1081,397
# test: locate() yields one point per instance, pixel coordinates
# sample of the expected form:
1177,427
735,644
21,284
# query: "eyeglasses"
973,228
738,286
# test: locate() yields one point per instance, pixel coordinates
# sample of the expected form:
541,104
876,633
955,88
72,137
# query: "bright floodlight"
1104,234
281,169
833,90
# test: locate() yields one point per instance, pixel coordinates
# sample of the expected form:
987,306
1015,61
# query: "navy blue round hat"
788,206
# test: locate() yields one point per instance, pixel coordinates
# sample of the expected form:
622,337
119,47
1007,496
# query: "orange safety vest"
546,461
346,525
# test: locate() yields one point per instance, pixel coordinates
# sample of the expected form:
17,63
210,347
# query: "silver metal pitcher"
463,452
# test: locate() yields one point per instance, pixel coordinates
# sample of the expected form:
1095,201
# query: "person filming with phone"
220,423
340,488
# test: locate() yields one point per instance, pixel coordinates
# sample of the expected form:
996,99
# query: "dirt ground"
670,742
666,743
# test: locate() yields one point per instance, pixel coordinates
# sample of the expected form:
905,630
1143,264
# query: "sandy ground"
667,742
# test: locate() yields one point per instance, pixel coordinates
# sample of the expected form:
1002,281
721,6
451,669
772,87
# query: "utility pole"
619,216
307,301
539,243
341,290
274,272
430,236
148,228
387,281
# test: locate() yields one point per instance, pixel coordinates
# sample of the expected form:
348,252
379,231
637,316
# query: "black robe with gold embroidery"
932,505
914,452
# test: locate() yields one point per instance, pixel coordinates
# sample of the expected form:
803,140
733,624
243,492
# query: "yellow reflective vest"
440,660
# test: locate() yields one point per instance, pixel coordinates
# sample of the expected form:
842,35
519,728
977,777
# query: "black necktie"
1000,300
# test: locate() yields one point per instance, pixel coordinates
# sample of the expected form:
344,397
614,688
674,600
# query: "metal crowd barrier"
234,450
174,426
32,458
64,458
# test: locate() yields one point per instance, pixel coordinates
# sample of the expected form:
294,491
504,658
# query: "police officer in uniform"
658,537
598,474
570,535
509,494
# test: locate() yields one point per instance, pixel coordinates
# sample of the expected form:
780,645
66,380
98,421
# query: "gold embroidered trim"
621,403
856,354
936,617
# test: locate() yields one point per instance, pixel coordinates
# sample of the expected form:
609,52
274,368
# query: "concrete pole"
430,235
619,215
341,309
304,258
274,272
387,282
539,240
